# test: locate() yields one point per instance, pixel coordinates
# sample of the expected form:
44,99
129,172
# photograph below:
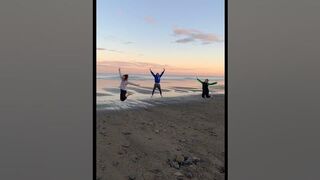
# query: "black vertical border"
226,87
94,79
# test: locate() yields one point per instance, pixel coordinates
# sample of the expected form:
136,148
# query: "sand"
182,139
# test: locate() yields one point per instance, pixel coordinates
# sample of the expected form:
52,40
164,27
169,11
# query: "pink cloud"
190,35
149,20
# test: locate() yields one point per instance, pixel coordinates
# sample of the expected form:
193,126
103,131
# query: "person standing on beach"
157,78
205,87
123,86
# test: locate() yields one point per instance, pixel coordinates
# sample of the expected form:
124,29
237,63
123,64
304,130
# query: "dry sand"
179,140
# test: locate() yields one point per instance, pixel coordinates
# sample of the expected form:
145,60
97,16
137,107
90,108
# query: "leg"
159,87
154,88
207,94
123,96
203,94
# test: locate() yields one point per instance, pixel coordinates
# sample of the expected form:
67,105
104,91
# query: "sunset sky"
184,36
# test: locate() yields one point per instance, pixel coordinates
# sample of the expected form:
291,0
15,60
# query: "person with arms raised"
157,78
205,87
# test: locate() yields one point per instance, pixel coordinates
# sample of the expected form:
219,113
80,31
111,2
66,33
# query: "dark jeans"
156,85
205,93
123,96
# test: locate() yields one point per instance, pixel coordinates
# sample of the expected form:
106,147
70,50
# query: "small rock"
196,159
188,161
125,145
126,133
178,173
155,171
157,131
135,158
189,174
131,178
173,164
179,158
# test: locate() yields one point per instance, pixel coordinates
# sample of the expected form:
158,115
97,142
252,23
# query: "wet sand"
181,139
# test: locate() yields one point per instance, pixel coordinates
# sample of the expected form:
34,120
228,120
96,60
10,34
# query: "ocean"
108,92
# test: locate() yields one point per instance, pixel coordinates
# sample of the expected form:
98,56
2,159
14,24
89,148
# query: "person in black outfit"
205,87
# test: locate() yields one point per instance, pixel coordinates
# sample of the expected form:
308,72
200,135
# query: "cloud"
149,20
131,64
128,42
190,35
185,40
138,65
111,50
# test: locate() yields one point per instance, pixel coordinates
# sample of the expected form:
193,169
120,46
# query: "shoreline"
154,101
147,142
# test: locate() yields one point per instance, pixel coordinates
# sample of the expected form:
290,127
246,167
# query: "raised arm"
199,80
162,72
120,73
212,83
152,72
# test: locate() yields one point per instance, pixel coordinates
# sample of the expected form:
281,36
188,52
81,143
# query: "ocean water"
108,92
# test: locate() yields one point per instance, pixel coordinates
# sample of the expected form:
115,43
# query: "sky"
183,36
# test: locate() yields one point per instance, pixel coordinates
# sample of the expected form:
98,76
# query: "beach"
169,138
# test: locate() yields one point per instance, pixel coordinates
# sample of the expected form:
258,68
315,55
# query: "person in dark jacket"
157,78
205,87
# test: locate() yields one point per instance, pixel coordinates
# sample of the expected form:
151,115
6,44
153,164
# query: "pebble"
189,175
131,178
196,159
179,158
178,173
157,131
188,161
126,145
126,133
